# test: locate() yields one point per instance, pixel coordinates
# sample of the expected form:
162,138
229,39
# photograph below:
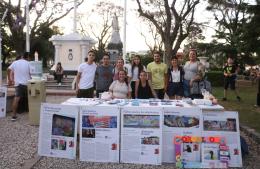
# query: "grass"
248,114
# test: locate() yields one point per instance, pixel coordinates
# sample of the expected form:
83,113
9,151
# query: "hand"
10,82
191,82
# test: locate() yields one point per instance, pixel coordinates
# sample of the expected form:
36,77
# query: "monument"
115,44
71,50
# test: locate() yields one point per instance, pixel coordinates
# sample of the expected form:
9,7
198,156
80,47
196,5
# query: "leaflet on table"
58,131
3,96
201,152
141,135
99,133
225,124
179,121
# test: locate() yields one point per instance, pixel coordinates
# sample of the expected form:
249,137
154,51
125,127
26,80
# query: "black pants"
133,89
160,93
86,93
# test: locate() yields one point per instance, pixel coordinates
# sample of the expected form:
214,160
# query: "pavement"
19,140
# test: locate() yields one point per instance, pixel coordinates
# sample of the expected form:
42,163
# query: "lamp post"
124,43
1,79
27,27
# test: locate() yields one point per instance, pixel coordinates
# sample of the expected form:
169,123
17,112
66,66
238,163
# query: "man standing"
85,77
157,73
18,74
104,75
230,72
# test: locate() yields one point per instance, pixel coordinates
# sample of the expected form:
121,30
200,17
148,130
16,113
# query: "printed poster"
179,121
3,96
99,134
226,125
141,135
58,131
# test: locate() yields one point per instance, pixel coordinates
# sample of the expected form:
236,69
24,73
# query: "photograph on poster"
54,144
99,121
210,152
63,126
141,121
191,152
216,125
88,133
2,94
153,140
62,144
181,121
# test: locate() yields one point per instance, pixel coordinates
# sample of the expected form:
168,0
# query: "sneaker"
238,98
14,118
224,99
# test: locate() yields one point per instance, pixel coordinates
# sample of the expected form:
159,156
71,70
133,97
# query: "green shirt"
158,72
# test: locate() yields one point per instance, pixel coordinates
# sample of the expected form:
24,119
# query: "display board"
141,135
225,124
179,121
3,96
58,131
99,134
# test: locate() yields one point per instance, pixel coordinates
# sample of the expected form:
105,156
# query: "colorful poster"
3,96
141,135
58,131
179,121
225,124
99,134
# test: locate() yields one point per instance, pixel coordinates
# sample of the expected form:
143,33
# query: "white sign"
3,96
179,121
141,135
58,131
99,134
226,125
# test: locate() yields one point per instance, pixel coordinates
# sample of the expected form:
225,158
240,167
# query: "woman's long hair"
140,66
126,79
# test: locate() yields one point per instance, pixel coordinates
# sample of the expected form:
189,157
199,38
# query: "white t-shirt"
176,76
119,89
134,74
21,69
87,75
190,69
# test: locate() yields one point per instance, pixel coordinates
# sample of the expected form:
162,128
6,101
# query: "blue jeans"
186,88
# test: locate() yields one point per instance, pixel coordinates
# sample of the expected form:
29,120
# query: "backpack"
195,90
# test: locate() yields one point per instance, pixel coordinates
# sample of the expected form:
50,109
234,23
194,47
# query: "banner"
58,131
3,96
179,121
141,135
99,134
226,125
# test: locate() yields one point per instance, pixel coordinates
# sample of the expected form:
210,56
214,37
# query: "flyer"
58,131
99,134
141,135
179,121
225,124
3,96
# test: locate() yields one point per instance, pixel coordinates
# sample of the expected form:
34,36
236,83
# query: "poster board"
141,135
58,131
99,134
179,121
225,124
3,96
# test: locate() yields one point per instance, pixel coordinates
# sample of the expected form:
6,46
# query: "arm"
10,77
77,81
136,88
153,92
165,82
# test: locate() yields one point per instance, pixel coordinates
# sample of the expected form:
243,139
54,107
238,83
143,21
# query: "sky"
134,40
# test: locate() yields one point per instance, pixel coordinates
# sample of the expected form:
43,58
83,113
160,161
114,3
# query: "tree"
233,20
43,14
106,11
173,20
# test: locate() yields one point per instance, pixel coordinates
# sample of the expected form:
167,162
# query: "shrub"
215,77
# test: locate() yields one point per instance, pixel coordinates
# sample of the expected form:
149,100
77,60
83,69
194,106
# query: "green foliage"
146,59
215,77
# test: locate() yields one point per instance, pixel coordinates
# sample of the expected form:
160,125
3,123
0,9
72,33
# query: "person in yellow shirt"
157,74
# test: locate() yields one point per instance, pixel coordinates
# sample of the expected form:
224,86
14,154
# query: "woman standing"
120,88
58,74
143,88
175,80
136,68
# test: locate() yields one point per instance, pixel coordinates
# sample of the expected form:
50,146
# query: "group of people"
125,81
137,81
